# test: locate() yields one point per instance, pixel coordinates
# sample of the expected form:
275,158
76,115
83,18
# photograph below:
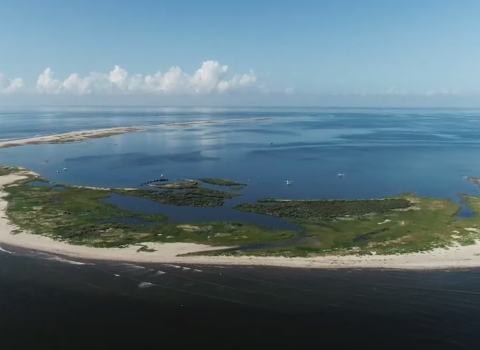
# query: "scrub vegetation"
401,224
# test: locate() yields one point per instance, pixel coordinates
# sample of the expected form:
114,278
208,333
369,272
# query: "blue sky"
296,48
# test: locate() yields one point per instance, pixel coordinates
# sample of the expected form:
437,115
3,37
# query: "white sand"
457,257
84,135
70,136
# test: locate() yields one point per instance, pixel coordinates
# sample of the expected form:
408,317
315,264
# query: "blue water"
52,299
382,152
185,214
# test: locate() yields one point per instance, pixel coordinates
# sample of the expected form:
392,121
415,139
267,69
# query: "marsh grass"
221,182
73,214
402,224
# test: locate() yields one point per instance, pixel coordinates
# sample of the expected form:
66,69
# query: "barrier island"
406,224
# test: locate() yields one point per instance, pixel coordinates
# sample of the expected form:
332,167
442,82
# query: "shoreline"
82,135
452,258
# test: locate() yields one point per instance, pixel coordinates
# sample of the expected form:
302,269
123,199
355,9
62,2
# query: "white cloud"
47,84
209,79
11,85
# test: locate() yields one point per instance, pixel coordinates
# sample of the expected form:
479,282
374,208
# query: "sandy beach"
455,257
76,136
70,136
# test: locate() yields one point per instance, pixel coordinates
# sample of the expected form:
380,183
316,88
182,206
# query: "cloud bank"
211,78
211,85
11,85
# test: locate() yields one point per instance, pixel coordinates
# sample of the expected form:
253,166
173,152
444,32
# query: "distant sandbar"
76,136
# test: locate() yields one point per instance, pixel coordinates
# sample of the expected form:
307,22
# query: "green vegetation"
323,209
407,223
221,182
197,197
7,170
267,200
178,185
77,215
189,193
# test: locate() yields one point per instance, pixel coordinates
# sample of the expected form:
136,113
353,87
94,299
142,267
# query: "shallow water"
381,152
185,214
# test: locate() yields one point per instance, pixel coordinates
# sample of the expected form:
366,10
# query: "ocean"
47,301
52,302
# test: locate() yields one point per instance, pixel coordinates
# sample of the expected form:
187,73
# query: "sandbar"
77,136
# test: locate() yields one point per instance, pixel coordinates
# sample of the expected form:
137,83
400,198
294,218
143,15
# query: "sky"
249,52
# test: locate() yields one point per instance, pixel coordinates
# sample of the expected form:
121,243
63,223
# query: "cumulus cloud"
209,79
11,85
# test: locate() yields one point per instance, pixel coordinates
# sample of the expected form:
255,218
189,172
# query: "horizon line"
232,107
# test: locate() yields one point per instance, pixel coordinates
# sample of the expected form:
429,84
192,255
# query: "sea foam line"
5,251
72,262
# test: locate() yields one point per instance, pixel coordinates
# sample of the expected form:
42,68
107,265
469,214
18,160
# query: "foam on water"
51,257
66,261
175,266
145,285
5,251
132,266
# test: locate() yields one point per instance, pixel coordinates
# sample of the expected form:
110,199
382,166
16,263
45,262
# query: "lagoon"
381,152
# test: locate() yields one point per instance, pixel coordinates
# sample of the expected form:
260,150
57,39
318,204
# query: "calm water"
50,302
382,153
